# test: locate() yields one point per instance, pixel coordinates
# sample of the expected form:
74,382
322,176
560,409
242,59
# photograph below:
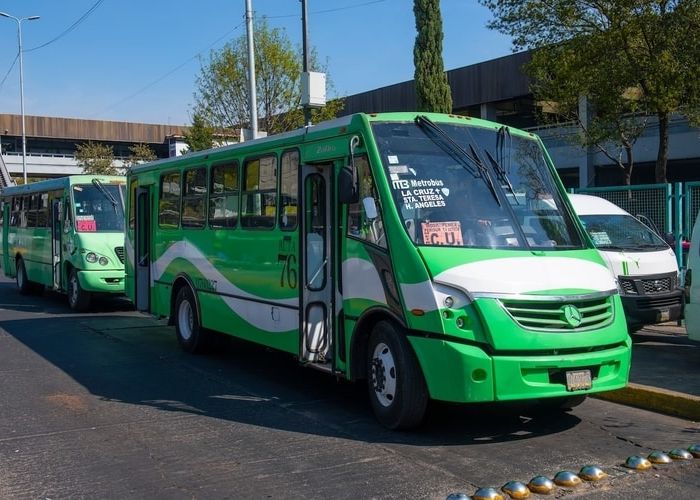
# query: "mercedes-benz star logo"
572,315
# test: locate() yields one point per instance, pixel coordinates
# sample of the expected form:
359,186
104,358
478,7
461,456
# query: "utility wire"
8,71
69,28
326,11
163,77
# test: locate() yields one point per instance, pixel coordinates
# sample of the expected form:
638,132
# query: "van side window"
225,193
289,188
169,202
194,198
259,203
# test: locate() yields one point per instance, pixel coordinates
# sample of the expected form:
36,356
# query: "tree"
221,96
646,46
432,89
608,118
140,153
96,158
200,135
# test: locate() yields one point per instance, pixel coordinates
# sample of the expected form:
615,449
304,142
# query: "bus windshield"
621,232
467,186
99,207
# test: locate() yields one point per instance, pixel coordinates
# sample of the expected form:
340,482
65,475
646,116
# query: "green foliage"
432,89
140,153
200,135
628,57
221,96
96,158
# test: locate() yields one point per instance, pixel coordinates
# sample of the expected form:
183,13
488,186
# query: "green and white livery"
435,256
65,234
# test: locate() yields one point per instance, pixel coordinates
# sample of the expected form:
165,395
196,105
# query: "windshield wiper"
460,153
102,189
501,174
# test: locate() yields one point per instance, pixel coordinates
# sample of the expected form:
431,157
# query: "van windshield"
460,185
99,207
621,232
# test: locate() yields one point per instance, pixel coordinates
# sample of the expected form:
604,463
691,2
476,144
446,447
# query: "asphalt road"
105,405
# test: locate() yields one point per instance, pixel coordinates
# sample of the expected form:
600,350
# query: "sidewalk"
665,374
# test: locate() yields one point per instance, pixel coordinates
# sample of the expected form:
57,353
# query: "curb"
673,403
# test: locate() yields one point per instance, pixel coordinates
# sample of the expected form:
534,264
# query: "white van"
692,285
643,264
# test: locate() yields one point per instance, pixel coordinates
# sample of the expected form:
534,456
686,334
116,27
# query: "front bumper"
643,310
102,281
462,373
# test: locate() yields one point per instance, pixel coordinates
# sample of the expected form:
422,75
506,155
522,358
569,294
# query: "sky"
137,60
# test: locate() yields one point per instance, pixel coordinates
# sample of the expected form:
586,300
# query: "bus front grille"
120,253
574,315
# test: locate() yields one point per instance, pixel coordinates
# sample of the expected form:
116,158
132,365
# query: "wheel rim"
384,374
185,320
20,275
73,292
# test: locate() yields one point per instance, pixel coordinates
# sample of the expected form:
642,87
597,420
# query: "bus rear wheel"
397,390
23,283
78,299
190,334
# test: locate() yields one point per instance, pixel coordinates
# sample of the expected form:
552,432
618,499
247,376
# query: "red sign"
442,233
86,225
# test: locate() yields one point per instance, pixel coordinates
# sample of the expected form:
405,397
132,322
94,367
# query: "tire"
188,328
396,387
23,284
78,299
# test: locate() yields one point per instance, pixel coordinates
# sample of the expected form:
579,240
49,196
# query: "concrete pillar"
488,111
586,167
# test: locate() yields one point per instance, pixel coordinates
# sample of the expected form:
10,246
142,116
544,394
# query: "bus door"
56,231
5,230
142,257
317,251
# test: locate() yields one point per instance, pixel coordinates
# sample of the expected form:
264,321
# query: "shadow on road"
50,302
134,360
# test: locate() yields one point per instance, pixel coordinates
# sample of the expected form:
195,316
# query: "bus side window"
259,204
194,198
289,187
361,224
169,202
223,196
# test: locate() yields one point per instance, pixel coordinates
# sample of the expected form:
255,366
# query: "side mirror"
347,188
370,207
670,239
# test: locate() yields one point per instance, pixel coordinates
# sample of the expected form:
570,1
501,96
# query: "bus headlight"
91,257
103,261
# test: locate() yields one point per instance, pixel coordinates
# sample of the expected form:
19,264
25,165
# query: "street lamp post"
21,85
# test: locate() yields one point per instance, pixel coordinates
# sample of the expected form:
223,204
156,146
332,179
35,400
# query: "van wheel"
396,386
23,283
78,299
190,334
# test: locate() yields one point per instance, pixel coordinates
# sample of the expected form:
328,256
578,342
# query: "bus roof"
59,183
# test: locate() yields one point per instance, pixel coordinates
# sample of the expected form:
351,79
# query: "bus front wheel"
190,334
78,299
396,386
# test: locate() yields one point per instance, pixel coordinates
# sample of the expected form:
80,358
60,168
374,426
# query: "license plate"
664,316
578,380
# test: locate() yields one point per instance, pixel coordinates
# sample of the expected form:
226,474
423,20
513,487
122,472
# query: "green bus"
66,234
435,256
